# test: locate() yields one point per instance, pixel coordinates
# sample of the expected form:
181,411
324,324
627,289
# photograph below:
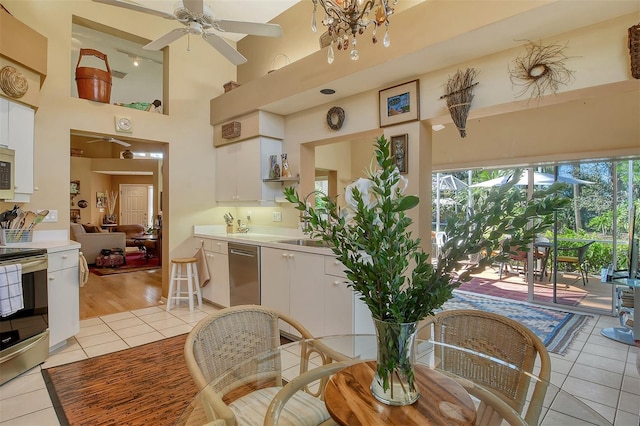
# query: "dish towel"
203,269
11,300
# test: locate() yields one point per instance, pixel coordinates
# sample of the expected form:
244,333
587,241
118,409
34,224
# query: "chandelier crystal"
346,19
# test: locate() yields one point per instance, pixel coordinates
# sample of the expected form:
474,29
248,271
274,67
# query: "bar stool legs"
184,269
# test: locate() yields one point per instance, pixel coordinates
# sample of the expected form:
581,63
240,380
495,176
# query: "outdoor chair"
224,340
499,337
579,260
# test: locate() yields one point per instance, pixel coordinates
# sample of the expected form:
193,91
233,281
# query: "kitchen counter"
261,236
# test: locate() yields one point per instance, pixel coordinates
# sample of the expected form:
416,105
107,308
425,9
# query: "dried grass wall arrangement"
459,94
541,70
634,50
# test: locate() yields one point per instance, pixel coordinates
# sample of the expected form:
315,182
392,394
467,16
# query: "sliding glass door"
563,266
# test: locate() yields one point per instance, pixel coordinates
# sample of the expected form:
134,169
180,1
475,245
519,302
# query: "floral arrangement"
371,239
387,266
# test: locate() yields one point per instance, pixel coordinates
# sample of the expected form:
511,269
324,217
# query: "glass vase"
394,381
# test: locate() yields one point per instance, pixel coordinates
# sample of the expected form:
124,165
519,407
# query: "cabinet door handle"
285,255
290,255
64,256
52,278
336,262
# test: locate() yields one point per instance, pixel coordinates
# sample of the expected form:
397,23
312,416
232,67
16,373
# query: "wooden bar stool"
184,269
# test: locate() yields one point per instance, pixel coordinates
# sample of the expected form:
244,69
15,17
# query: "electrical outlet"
277,216
51,217
249,215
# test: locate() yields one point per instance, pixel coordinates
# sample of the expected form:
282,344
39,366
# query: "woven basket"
13,82
634,50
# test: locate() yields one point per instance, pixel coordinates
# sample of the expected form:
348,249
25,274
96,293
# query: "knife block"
229,229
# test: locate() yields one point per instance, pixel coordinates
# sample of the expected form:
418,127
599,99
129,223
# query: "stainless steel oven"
24,335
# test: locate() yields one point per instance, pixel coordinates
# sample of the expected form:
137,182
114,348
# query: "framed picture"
400,151
75,215
101,199
399,104
74,187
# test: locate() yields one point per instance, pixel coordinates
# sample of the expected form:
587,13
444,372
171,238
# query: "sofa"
131,232
92,240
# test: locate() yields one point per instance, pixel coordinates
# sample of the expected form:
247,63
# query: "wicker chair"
499,337
224,340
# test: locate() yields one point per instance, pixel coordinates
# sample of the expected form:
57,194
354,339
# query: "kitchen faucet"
304,215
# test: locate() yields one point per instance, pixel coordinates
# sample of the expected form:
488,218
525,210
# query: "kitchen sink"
307,242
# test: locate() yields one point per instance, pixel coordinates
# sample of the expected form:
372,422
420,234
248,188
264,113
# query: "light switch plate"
277,216
51,217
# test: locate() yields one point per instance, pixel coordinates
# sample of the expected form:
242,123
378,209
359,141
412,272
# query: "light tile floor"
599,371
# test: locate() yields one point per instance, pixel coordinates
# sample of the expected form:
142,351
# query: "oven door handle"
36,340
34,266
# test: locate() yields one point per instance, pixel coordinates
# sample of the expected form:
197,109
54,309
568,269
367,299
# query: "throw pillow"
91,229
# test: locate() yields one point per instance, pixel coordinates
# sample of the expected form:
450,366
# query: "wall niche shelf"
295,179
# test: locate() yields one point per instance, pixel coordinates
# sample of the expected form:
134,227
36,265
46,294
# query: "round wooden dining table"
347,362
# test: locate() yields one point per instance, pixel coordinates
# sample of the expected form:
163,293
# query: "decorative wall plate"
13,82
82,204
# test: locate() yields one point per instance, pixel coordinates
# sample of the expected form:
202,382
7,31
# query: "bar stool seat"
184,269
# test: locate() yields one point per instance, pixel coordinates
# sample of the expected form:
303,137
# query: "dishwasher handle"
240,252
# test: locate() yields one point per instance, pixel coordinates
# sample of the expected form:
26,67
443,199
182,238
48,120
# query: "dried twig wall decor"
634,50
459,94
541,70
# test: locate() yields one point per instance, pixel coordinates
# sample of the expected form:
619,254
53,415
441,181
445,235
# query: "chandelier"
348,18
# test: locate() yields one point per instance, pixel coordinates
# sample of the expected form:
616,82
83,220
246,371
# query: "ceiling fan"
198,19
112,140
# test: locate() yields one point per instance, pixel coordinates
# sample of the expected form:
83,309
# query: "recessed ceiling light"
327,91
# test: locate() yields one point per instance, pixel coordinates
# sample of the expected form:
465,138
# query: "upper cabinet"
17,132
241,168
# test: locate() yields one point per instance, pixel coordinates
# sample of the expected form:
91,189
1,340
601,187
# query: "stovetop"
8,253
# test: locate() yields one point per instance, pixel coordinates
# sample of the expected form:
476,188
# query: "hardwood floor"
110,294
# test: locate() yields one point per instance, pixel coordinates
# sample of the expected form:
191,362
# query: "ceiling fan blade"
166,39
224,48
112,140
195,6
131,5
119,142
250,28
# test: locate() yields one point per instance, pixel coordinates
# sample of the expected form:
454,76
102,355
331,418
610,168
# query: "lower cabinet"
312,289
64,296
217,291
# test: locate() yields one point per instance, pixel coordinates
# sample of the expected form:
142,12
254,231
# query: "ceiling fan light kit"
199,20
345,19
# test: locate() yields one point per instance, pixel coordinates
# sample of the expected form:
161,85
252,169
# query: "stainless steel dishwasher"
244,274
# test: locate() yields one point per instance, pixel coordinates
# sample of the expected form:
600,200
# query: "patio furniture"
500,337
579,260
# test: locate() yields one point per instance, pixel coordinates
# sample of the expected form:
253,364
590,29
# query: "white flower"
368,198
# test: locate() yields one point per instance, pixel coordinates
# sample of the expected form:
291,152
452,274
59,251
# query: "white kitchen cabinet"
274,281
345,313
241,168
217,291
292,283
17,132
64,296
306,291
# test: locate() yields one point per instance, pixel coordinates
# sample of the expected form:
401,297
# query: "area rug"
555,328
134,262
144,385
519,291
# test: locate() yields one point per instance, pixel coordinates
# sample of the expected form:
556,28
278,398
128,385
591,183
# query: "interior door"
134,204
